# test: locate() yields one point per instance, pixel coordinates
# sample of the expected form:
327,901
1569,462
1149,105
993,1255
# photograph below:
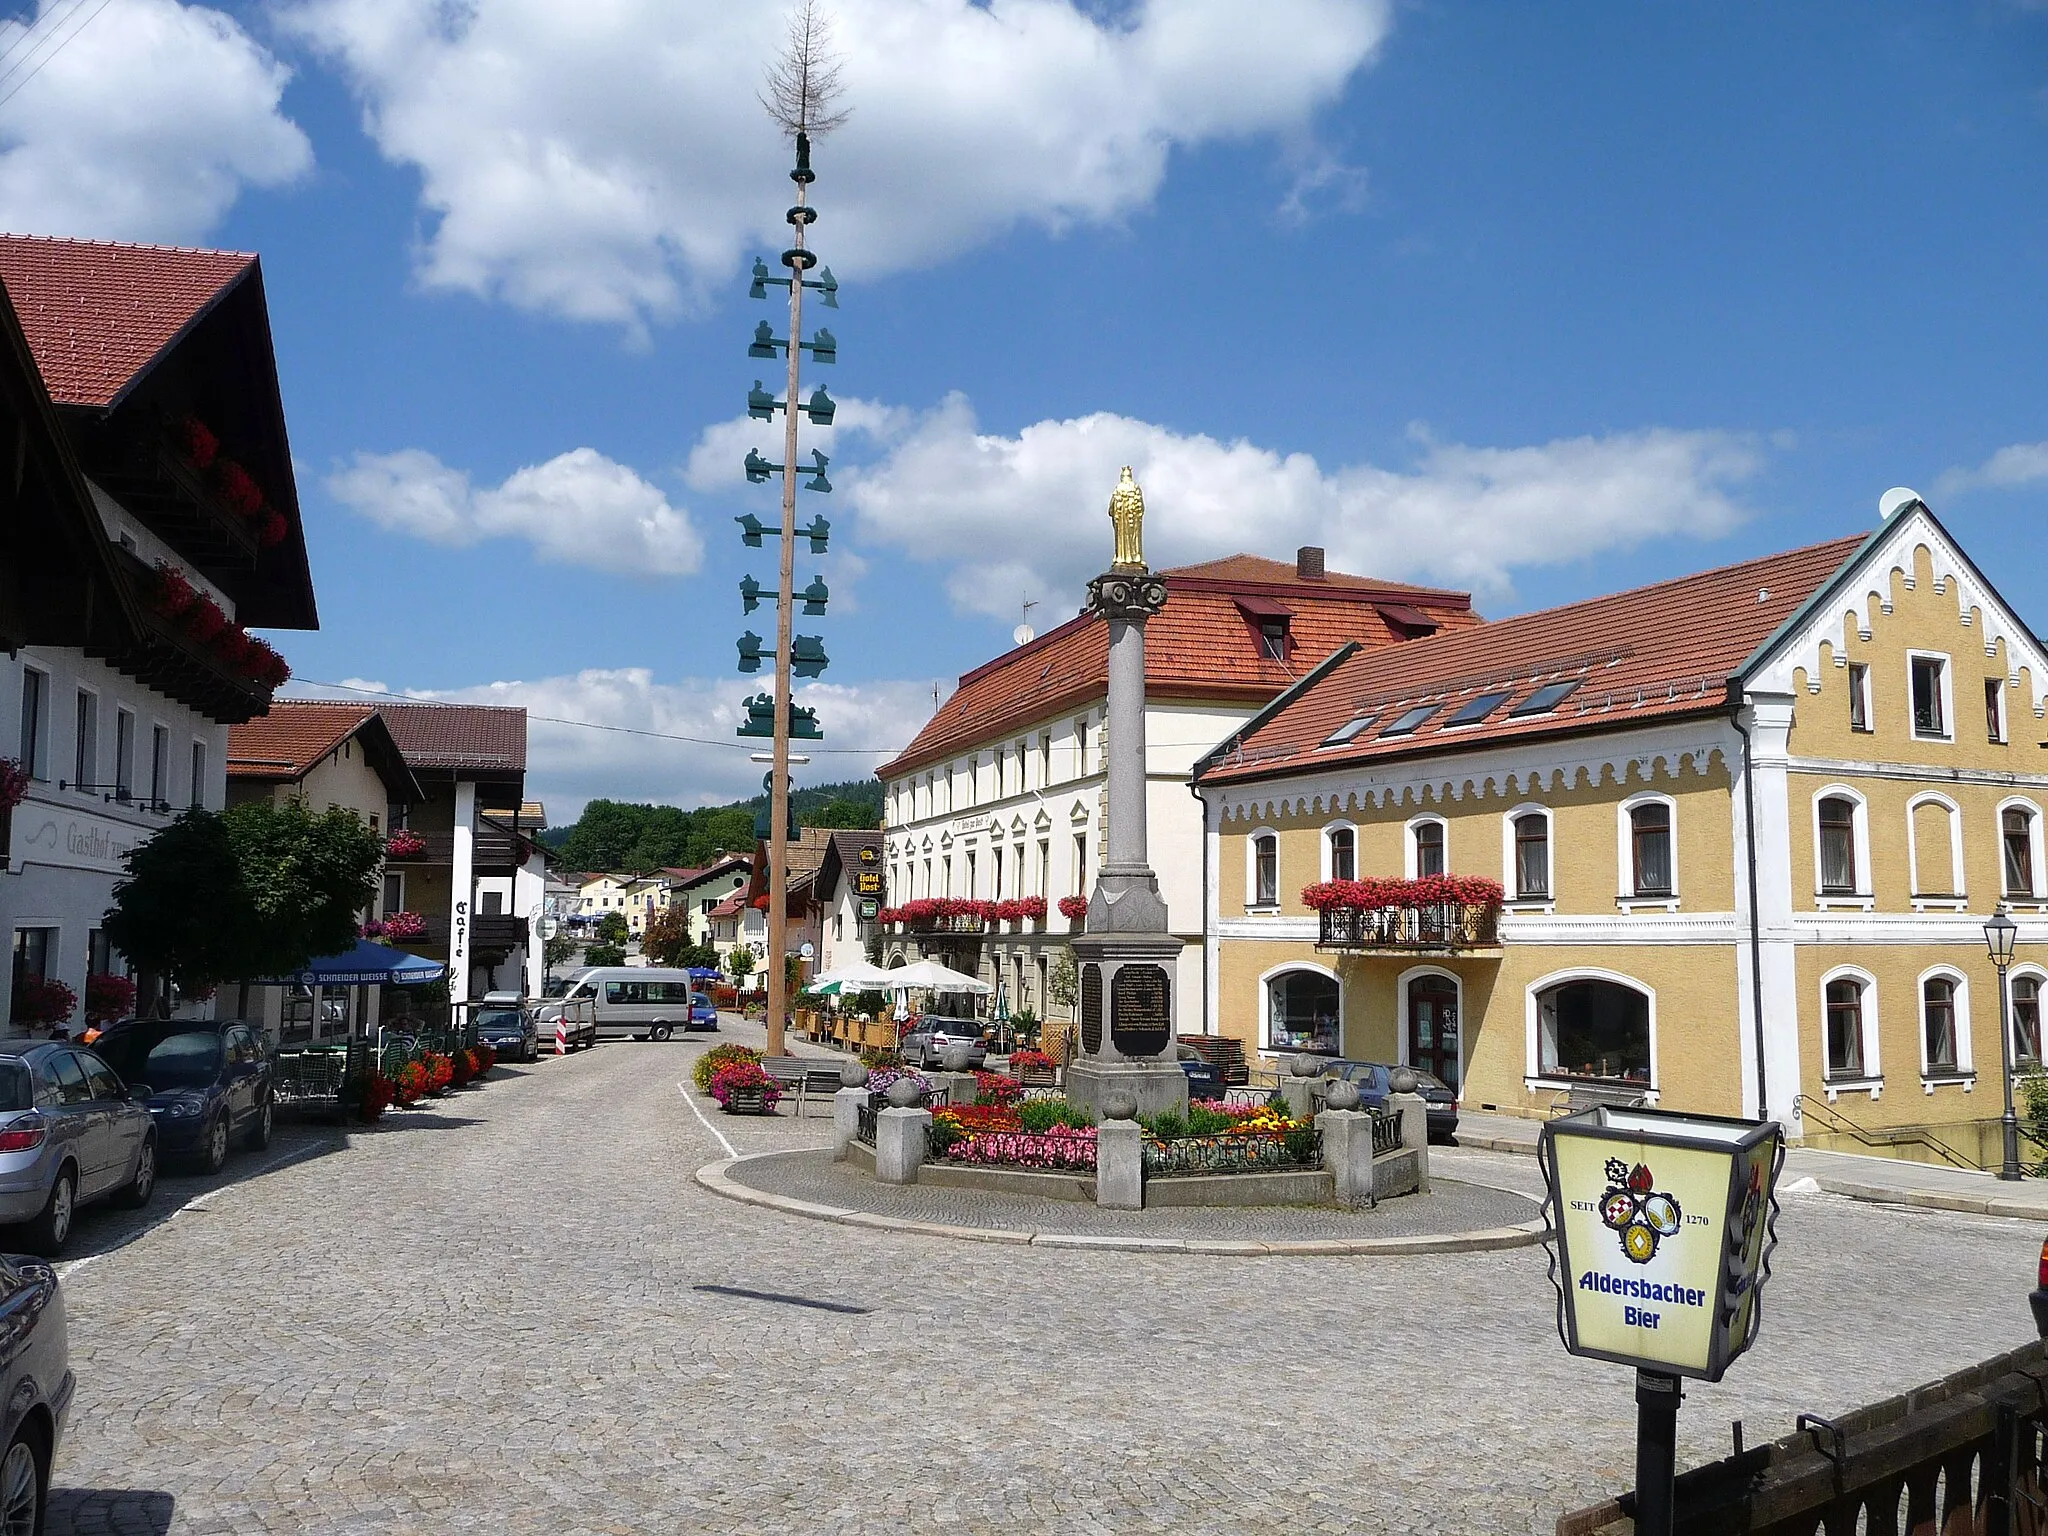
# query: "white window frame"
1965,1073
1925,901
2004,736
1409,853
1251,872
2034,839
1625,855
2039,974
1948,695
1871,1079
1532,1057
1266,978
1509,866
1328,854
1863,898
1859,693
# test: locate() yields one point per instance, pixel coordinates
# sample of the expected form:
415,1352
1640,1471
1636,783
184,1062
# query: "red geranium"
1429,891
40,1000
378,1093
274,530
238,488
199,443
1073,908
108,998
14,783
204,620
173,594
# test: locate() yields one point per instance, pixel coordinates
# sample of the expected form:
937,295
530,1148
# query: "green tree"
604,954
667,936
561,949
611,928
741,963
1063,981
253,893
852,815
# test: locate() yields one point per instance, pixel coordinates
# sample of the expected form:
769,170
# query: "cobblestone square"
516,1311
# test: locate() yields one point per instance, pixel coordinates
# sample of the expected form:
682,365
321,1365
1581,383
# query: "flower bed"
880,1079
996,1088
742,1087
1062,1147
719,1056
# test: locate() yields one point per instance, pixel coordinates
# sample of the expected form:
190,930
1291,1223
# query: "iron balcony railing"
1438,926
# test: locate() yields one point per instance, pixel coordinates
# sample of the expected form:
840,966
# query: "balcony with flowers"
1437,914
941,914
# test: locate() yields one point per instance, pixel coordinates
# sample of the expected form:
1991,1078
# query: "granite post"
900,1141
1126,955
1347,1145
1120,1154
1414,1112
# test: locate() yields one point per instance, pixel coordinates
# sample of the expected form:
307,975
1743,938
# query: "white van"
638,1001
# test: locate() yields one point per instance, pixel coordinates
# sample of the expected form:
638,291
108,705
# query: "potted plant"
745,1088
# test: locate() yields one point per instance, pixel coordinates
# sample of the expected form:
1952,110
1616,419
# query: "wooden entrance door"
1433,1027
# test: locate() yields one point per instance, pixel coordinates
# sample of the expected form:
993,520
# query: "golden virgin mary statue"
1127,516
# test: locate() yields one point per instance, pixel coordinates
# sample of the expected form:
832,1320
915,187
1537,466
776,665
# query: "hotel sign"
1664,1233
68,839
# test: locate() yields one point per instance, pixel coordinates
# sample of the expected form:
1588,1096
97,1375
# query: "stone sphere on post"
1403,1080
1342,1094
1306,1065
905,1094
853,1073
1119,1104
955,1058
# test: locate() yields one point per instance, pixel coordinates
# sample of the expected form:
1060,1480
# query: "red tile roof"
1638,656
98,314
296,734
1202,645
482,737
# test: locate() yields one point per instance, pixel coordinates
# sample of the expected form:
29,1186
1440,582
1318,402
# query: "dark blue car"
1440,1104
35,1388
208,1083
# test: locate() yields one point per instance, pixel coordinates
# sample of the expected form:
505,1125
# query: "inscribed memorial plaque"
1091,1009
1140,1010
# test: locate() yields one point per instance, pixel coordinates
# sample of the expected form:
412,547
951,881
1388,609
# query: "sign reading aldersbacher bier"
1663,1228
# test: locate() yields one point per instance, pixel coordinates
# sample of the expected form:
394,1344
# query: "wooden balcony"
1440,928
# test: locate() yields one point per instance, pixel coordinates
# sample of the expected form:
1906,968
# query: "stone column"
1120,1155
1347,1145
1414,1112
847,1104
900,1143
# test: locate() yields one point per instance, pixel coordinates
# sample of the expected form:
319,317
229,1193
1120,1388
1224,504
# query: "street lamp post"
1999,934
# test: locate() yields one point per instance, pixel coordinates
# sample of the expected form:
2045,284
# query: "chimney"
1308,562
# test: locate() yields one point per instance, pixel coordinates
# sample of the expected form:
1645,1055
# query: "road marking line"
690,1099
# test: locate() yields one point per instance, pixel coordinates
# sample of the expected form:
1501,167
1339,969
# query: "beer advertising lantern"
1664,1227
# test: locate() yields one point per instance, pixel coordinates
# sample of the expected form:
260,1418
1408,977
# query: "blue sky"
1537,301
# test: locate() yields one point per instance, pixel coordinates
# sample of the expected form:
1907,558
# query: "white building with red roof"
162,526
1000,798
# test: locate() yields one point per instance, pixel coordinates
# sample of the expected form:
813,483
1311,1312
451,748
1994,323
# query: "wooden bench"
1584,1096
804,1077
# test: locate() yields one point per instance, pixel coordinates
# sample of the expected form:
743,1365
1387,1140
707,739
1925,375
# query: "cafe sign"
1664,1230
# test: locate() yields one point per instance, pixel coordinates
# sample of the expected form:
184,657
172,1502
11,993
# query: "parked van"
640,1001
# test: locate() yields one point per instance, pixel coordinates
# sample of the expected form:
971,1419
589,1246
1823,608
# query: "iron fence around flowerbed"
1058,1150
1386,1131
1253,1152
864,1132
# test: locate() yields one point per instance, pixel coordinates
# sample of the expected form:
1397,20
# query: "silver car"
927,1044
69,1132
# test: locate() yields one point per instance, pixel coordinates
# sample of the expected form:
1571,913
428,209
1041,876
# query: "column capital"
1132,596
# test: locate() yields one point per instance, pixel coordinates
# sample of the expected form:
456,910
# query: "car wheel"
49,1232
660,1032
21,1488
136,1192
259,1133
213,1153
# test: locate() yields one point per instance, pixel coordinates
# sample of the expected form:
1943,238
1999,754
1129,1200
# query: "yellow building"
1743,832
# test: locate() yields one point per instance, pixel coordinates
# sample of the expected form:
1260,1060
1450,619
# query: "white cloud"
579,508
1010,517
608,162
864,726
145,125
2015,464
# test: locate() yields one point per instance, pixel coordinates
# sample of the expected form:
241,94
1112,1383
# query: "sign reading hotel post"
1664,1232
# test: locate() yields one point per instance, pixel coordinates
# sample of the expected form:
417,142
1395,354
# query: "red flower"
14,783
1073,908
1429,891
274,529
404,844
198,441
39,1000
173,594
238,488
204,620
108,998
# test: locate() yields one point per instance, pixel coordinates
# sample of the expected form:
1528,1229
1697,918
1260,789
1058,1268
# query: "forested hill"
618,836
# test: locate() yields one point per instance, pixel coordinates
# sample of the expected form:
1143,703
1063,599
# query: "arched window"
1342,842
1838,846
1593,1028
1426,844
1532,856
1265,870
2016,837
1302,1009
2026,1021
1649,830
1940,1031
1845,1027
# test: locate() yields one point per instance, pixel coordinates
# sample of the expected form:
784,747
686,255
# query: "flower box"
746,1101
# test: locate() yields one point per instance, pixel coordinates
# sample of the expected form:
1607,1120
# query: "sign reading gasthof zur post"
1664,1227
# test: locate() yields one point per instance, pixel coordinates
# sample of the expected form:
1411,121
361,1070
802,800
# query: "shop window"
2026,1022
1427,838
1532,856
1837,846
1649,827
1302,1012
1938,1026
1845,1027
1593,1029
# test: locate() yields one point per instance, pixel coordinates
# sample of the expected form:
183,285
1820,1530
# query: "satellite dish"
1023,634
1897,500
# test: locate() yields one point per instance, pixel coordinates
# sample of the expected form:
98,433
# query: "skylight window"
1410,722
1478,709
1351,729
1545,699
